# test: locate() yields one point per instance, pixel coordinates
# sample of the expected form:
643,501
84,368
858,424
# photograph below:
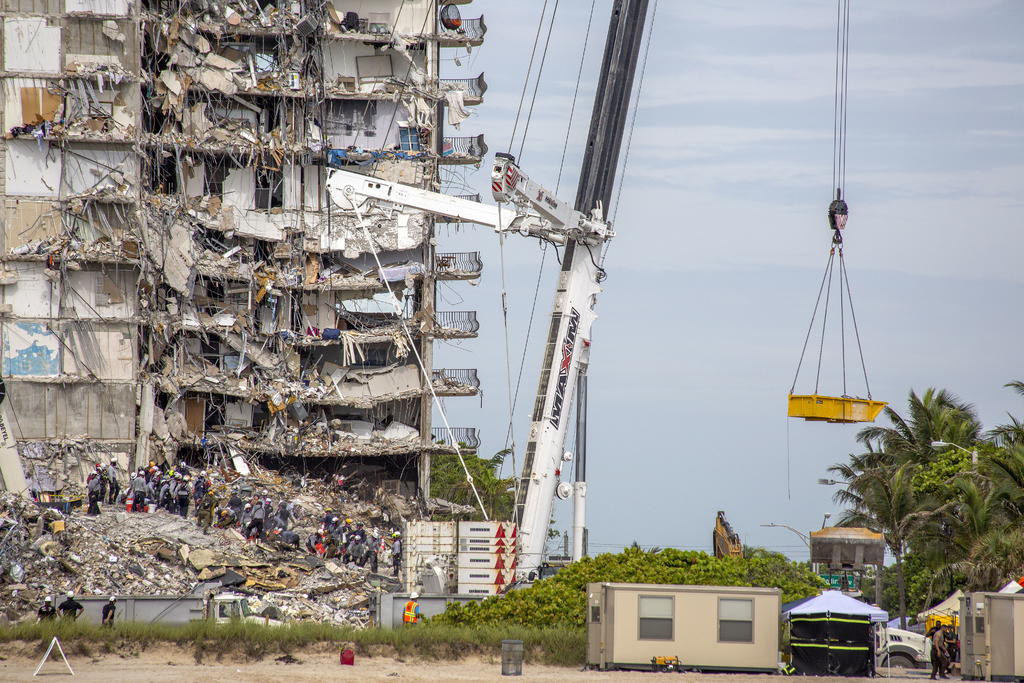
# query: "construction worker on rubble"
182,495
113,486
201,486
94,485
138,487
70,607
396,552
204,510
46,611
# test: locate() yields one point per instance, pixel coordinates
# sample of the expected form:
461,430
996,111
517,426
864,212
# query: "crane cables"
841,409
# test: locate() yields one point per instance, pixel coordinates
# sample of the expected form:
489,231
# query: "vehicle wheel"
901,660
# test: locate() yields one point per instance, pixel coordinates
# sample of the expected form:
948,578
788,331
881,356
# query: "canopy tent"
833,602
1014,586
948,607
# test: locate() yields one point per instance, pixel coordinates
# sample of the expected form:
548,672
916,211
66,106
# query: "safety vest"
409,616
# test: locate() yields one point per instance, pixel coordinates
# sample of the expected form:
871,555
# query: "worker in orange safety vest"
412,613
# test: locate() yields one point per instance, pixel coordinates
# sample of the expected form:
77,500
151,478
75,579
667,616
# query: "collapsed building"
175,281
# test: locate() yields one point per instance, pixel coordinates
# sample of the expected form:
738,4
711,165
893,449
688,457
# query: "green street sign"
840,581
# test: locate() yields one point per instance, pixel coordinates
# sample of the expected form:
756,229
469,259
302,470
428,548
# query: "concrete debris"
119,552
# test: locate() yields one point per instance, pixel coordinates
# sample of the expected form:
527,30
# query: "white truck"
175,609
905,649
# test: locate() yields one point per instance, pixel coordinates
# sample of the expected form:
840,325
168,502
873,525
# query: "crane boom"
531,210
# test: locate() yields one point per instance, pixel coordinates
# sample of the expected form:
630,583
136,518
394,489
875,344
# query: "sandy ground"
160,664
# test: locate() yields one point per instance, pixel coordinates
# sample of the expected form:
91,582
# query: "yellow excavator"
724,540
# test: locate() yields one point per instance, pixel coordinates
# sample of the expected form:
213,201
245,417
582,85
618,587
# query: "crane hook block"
813,407
838,212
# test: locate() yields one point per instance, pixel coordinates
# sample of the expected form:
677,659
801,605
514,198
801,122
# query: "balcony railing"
471,31
466,437
458,263
464,147
472,88
464,322
457,377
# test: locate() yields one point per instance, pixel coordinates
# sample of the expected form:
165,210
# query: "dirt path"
158,665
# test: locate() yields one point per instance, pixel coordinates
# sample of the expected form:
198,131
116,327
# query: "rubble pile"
46,552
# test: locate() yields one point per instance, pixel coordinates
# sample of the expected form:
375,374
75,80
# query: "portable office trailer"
715,628
994,639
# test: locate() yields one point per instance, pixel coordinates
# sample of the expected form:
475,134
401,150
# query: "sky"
722,240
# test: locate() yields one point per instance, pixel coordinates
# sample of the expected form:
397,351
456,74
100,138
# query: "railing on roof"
473,146
471,87
458,262
471,30
466,437
464,376
460,321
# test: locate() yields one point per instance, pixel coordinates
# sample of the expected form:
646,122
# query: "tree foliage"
448,481
949,521
561,599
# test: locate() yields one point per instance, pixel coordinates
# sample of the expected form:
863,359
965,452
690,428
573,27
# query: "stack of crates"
433,542
487,557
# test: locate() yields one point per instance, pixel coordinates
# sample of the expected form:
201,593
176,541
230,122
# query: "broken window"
163,172
213,178
269,189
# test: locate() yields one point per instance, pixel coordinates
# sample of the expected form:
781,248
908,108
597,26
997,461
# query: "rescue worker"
46,611
938,647
200,487
328,513
259,517
412,613
108,611
113,486
163,496
396,552
284,515
225,518
204,510
245,517
95,488
138,487
70,607
182,495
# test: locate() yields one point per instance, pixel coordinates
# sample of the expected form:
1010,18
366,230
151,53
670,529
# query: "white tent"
947,608
1013,587
834,602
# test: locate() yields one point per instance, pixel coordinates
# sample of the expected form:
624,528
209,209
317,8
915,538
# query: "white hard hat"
71,594
113,598
413,595
47,599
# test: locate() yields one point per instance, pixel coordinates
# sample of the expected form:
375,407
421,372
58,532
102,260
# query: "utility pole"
597,177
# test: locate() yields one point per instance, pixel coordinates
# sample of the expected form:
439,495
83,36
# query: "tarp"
947,607
834,602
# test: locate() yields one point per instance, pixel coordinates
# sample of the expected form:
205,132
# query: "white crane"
529,209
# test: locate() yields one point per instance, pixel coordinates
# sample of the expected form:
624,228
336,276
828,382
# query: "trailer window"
595,614
655,614
735,620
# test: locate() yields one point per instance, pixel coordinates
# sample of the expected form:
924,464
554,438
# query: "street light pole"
803,537
973,452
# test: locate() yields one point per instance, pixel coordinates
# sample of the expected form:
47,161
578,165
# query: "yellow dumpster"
834,408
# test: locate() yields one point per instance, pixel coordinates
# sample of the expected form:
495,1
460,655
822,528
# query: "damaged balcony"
472,89
455,325
463,150
458,265
470,33
466,438
456,382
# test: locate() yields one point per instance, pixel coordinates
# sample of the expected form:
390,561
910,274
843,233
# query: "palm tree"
883,500
1012,433
937,415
